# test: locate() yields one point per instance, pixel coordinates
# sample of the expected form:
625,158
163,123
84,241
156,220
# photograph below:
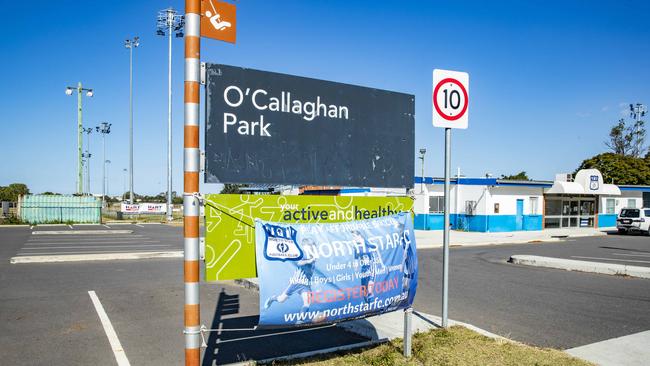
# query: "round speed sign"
450,99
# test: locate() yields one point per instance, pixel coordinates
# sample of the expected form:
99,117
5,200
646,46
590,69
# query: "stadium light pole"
108,194
421,157
124,171
104,128
169,21
637,111
89,92
130,44
87,155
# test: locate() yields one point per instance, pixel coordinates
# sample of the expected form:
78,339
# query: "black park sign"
265,127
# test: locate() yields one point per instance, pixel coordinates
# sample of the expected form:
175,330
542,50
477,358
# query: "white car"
633,219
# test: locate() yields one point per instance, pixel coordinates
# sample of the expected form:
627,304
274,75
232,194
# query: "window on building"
533,205
436,204
631,203
610,206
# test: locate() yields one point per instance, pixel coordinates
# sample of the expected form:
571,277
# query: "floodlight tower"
637,111
104,128
421,157
130,44
89,93
169,22
87,155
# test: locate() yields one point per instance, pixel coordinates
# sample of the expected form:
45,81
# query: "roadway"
540,306
47,316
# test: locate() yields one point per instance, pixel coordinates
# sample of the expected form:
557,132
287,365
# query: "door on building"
519,219
568,212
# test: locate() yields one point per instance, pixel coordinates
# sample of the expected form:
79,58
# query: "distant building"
496,205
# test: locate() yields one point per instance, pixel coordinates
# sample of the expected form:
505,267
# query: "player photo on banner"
323,273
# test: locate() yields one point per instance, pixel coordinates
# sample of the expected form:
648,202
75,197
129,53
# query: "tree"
12,191
620,169
519,176
627,140
231,188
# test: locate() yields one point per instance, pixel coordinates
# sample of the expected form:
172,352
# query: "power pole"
89,93
169,22
131,44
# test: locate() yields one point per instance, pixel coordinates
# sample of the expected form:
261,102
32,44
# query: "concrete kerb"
433,239
581,266
94,257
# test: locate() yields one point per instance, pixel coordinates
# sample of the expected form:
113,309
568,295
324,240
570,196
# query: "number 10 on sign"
450,99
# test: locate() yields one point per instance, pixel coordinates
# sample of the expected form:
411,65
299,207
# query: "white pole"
445,241
170,23
131,124
103,166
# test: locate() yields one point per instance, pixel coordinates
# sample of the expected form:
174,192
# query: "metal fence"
41,209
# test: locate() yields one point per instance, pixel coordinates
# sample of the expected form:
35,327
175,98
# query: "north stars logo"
280,243
593,183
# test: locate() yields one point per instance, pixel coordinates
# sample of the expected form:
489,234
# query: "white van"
633,219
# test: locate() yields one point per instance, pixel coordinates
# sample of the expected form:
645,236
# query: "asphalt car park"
55,240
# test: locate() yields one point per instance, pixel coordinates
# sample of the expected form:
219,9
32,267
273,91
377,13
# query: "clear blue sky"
547,78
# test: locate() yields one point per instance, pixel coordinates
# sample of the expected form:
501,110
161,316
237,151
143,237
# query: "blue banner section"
324,273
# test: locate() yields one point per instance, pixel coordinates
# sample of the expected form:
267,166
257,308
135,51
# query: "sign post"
450,103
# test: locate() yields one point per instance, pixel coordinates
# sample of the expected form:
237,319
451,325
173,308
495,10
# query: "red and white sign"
144,208
450,99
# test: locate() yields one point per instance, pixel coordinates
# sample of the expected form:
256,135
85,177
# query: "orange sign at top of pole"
219,20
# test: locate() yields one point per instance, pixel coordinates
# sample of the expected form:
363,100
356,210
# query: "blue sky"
547,78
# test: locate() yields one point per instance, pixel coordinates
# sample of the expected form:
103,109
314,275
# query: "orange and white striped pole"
191,163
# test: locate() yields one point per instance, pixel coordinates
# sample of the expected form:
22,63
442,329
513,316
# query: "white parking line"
633,255
99,246
106,226
45,238
135,242
138,225
611,259
92,256
70,226
118,351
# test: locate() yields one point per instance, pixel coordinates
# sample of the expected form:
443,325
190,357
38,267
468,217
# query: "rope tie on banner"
207,203
205,329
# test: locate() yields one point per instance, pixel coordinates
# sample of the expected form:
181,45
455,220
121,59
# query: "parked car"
634,220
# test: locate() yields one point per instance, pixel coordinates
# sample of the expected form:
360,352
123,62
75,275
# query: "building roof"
486,182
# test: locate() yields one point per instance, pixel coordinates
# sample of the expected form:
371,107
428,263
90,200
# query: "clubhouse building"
497,205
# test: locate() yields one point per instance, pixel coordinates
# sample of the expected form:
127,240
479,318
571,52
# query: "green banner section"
230,223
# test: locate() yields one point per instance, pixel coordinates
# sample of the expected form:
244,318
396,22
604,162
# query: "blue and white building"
497,205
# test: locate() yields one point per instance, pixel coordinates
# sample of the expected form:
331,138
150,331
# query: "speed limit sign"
450,98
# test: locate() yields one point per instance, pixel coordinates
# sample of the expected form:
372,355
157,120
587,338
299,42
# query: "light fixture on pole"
169,22
421,157
130,44
89,93
104,128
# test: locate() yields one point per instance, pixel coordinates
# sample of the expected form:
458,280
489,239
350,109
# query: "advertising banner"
230,223
323,273
144,208
266,127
